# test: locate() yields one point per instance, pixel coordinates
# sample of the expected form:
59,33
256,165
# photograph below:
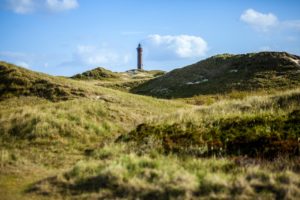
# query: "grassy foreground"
113,172
108,144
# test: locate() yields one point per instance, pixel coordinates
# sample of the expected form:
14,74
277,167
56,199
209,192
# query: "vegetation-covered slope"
265,126
123,81
17,81
226,73
103,74
43,131
108,144
169,157
26,113
98,73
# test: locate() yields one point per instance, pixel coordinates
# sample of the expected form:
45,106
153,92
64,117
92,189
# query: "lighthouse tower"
139,57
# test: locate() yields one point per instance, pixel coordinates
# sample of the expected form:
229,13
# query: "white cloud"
21,6
267,21
164,47
95,56
61,5
259,21
30,6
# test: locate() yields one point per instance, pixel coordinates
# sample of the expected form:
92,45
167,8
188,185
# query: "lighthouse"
139,57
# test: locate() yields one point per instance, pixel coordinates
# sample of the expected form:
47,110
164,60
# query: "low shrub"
262,136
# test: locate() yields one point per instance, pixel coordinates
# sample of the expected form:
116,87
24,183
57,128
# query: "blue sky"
64,37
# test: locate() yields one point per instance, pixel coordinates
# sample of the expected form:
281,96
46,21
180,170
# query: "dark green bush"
267,136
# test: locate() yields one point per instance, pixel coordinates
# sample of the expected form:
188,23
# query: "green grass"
16,81
125,86
265,126
77,122
124,174
226,73
103,74
108,144
259,136
98,73
43,125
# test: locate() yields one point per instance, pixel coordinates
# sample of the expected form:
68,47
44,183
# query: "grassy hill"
98,73
123,81
17,81
63,138
101,73
226,73
26,93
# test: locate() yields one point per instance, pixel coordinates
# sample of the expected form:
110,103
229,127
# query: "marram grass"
94,142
